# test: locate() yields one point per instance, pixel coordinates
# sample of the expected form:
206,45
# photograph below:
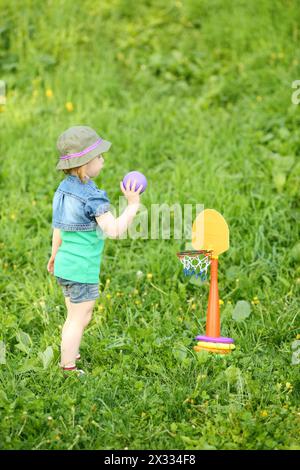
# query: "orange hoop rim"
194,253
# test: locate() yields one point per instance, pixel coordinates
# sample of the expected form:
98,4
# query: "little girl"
81,218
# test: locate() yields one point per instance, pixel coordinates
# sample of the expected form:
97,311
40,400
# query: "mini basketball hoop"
210,238
195,262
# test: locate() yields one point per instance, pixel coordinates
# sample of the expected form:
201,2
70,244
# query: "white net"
195,264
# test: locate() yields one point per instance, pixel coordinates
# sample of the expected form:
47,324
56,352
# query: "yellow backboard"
210,232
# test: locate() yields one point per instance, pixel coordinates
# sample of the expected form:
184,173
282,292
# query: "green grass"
197,95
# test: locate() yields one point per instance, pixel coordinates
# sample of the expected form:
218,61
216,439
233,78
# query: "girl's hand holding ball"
133,184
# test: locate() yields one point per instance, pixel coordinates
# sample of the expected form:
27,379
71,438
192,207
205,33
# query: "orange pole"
213,328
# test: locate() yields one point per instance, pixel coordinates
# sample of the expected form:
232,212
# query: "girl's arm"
56,241
115,227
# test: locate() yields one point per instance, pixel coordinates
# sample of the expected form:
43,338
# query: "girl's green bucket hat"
78,145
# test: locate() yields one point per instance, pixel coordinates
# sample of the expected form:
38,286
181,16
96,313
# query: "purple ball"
140,180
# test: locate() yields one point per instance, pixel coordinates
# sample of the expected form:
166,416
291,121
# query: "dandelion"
108,296
49,93
149,276
297,337
289,386
100,308
221,302
264,413
69,106
193,307
137,302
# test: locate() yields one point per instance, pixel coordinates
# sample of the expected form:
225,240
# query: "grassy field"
196,95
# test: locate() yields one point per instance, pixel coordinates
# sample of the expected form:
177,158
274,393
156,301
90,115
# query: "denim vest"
75,205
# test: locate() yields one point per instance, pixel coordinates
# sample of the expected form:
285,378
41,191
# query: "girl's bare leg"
79,316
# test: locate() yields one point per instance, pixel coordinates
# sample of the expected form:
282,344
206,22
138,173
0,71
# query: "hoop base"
219,345
219,339
216,351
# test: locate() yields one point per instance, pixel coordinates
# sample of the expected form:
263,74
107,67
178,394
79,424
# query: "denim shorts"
78,291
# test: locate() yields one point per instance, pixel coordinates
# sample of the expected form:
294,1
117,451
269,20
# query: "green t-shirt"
79,256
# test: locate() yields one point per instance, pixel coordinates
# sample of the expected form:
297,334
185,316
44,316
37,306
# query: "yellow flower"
13,216
100,308
221,302
135,291
137,302
49,93
289,386
69,106
193,307
149,276
264,413
108,296
298,337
